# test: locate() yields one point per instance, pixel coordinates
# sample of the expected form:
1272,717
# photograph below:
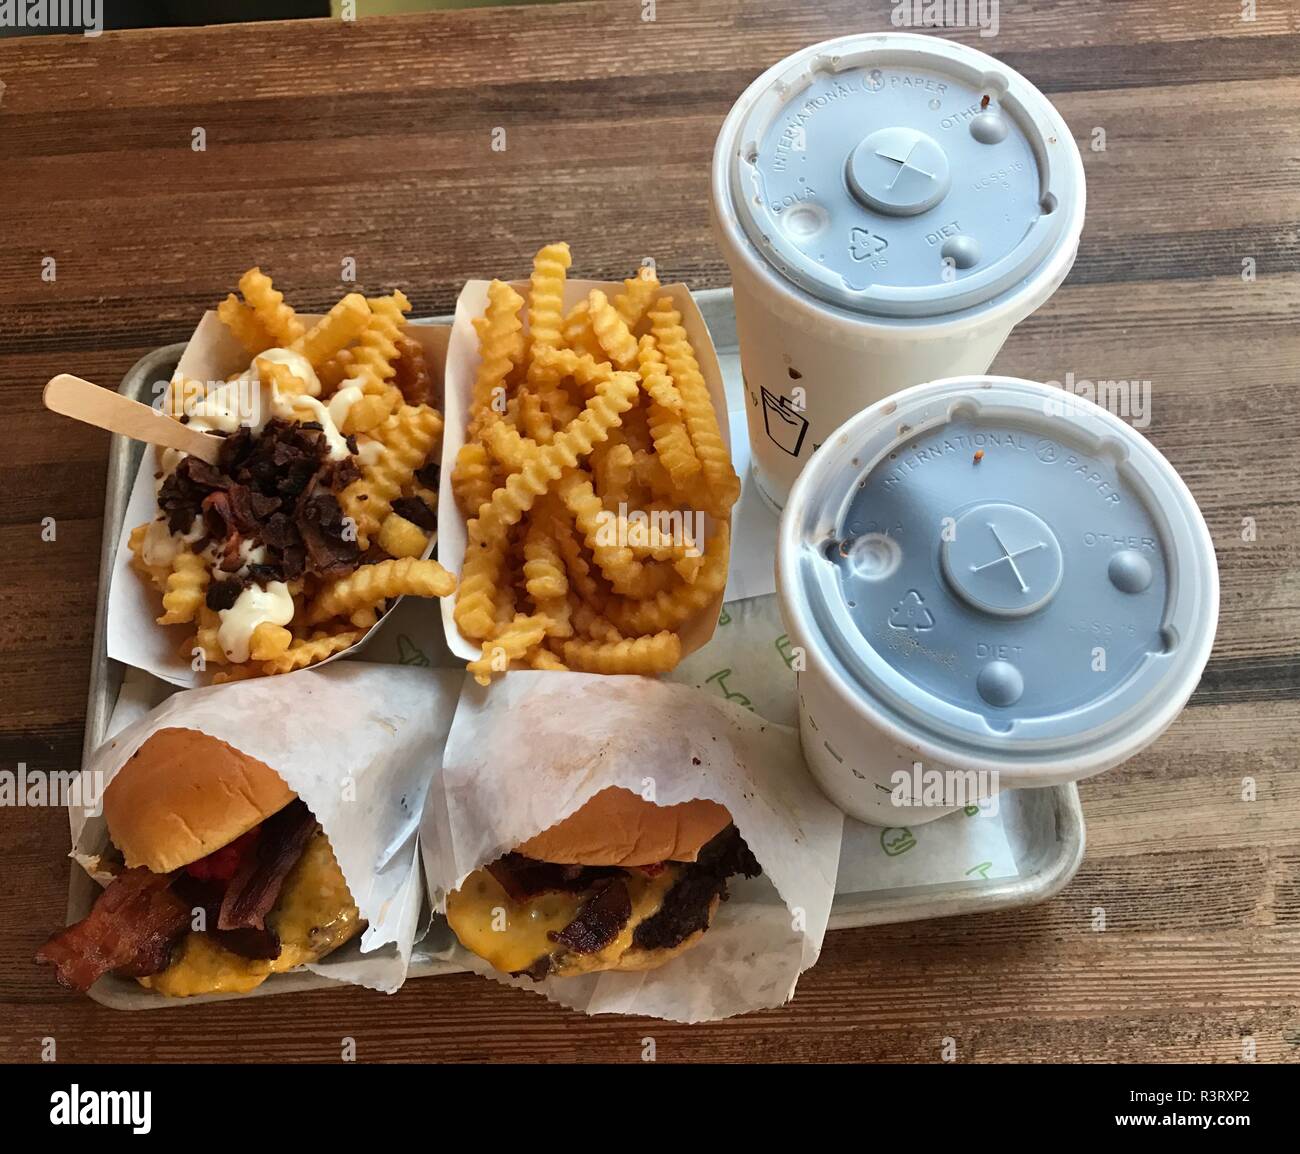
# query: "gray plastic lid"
904,176
1004,566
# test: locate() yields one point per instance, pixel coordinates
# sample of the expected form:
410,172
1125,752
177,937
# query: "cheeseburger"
223,876
620,885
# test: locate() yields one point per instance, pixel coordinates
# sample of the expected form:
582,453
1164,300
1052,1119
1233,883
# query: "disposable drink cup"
890,207
988,583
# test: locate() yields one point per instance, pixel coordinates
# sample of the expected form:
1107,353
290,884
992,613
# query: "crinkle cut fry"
668,430
639,292
625,573
268,642
471,478
615,473
246,326
336,329
583,582
399,537
157,574
672,608
380,343
372,361
578,336
535,417
666,533
613,396
500,346
546,299
508,447
611,332
656,382
475,612
408,436
380,581
546,580
697,408
657,653
187,583
511,644
588,623
277,318
314,649
542,658
282,378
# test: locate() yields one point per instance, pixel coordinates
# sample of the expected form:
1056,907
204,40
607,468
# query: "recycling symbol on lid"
911,614
863,244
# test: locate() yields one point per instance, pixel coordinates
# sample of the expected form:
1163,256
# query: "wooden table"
374,141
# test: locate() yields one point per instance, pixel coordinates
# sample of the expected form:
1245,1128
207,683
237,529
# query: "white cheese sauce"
249,402
251,608
161,547
369,450
297,364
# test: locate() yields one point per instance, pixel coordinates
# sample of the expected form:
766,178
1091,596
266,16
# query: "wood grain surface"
372,140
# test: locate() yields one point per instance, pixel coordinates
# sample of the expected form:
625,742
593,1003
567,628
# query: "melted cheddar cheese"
513,935
315,914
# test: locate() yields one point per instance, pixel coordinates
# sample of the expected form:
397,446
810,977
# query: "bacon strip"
687,905
205,894
132,927
255,887
524,877
599,920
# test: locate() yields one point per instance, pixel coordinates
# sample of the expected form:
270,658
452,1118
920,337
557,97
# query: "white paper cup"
883,229
988,583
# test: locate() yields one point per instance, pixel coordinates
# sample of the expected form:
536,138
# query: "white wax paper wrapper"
138,694
462,365
358,743
134,636
536,746
747,662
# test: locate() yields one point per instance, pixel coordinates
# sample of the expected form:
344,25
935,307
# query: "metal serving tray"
1044,827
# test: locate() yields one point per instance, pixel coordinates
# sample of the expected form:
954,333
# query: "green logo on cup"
721,678
896,841
408,653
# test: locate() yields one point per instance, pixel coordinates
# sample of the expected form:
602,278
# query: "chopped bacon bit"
412,374
428,475
275,489
222,594
320,523
984,102
654,869
416,511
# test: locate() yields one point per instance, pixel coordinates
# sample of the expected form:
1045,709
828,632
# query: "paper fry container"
134,635
359,744
462,365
